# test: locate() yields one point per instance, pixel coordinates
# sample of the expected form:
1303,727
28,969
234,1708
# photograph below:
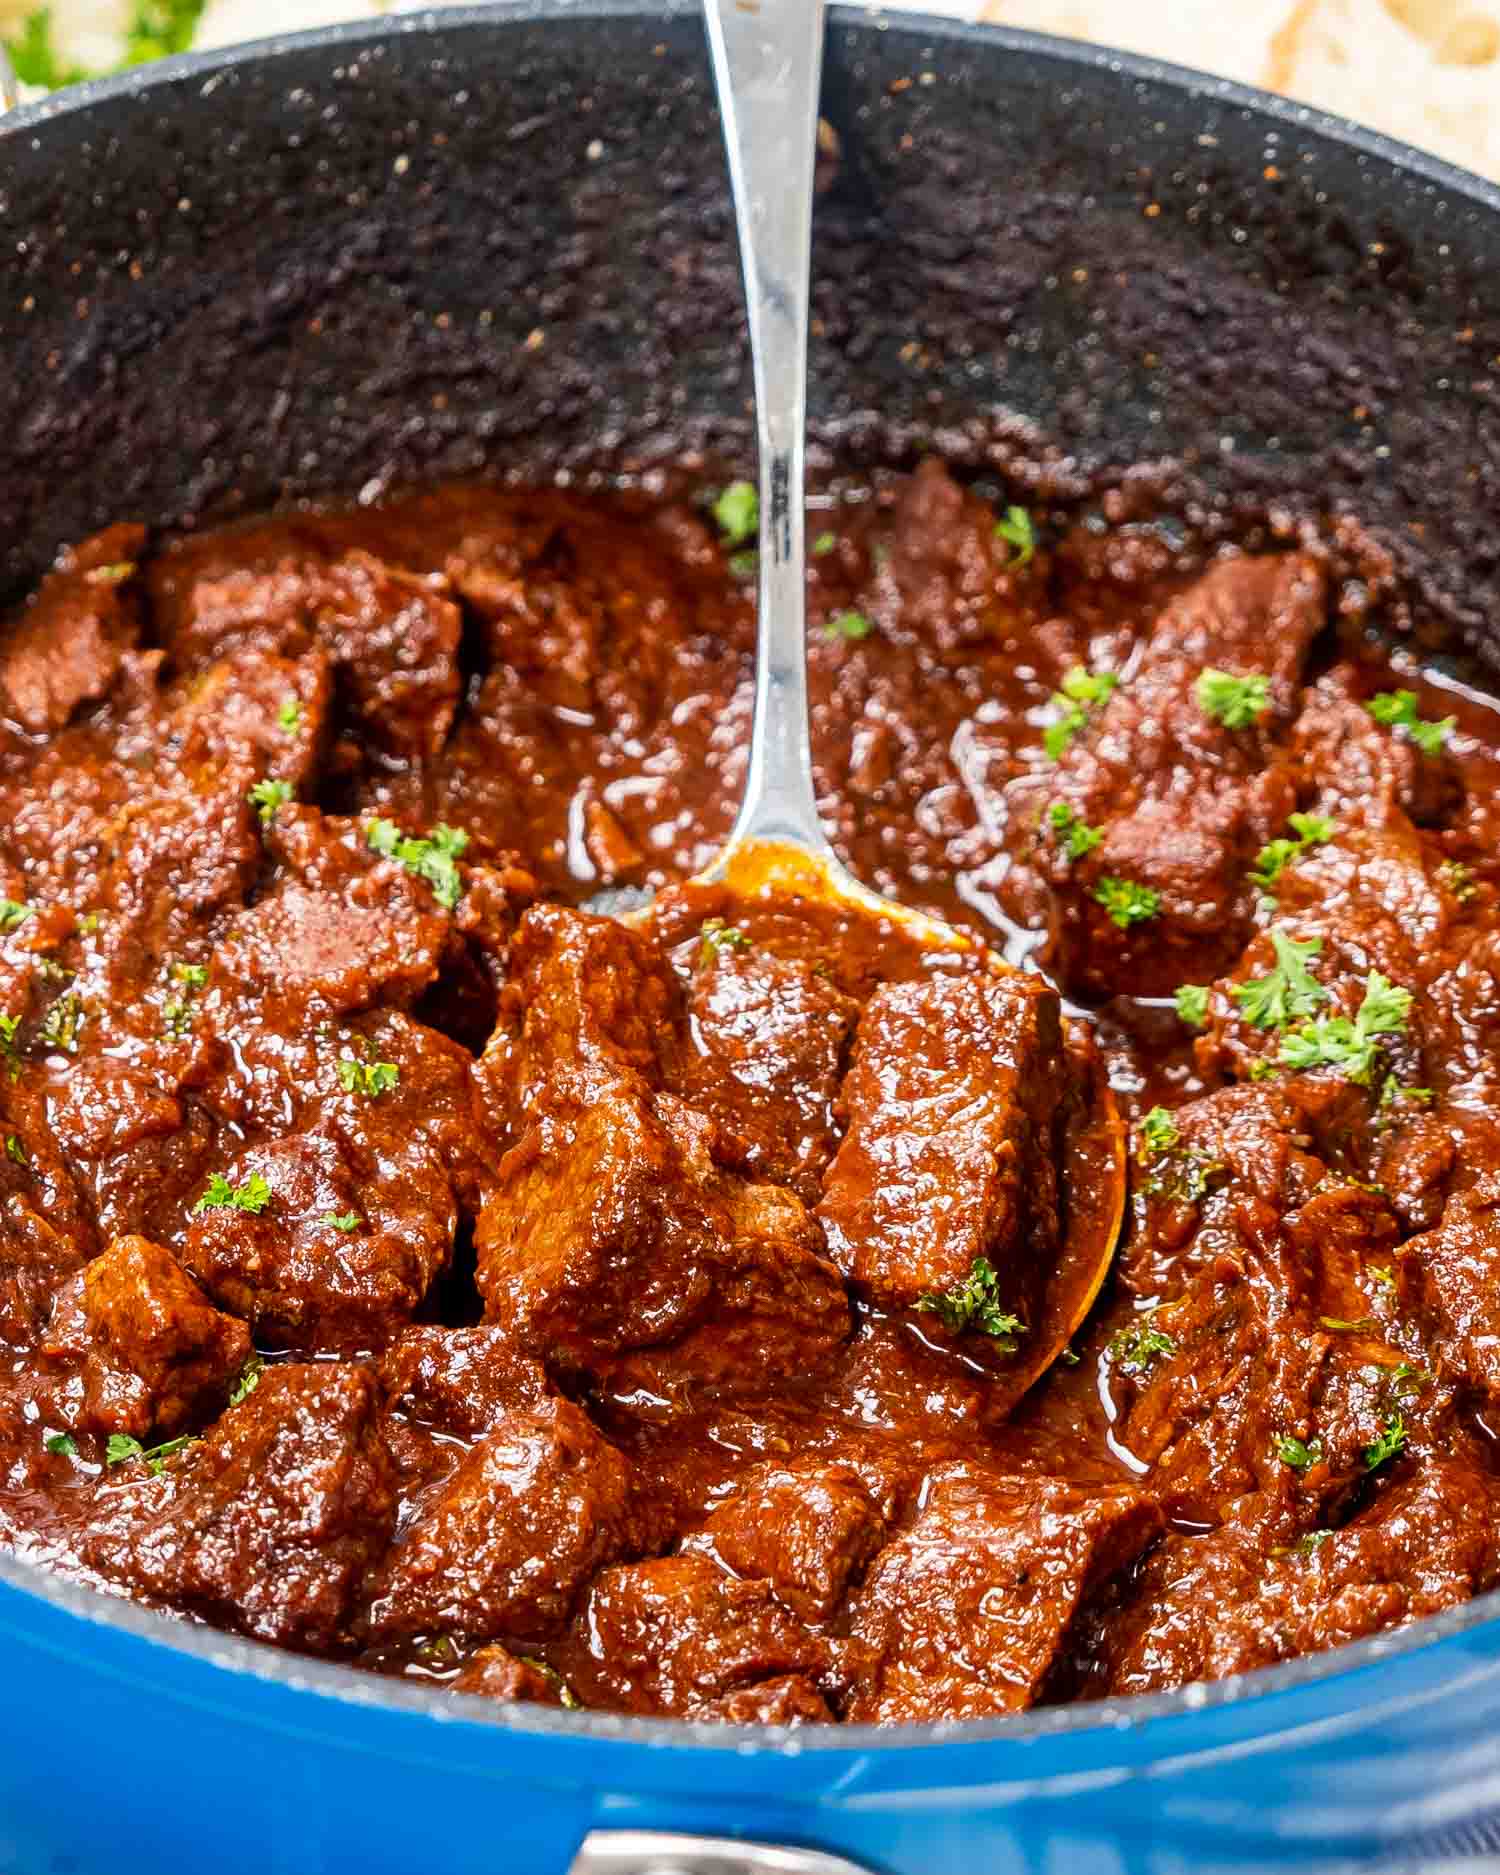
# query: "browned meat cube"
953,1096
768,1038
270,1522
148,1350
967,1611
790,1699
392,635
805,1528
1363,771
1261,1589
1451,1276
459,1380
507,1543
1183,800
263,713
330,1259
67,647
495,1673
668,1637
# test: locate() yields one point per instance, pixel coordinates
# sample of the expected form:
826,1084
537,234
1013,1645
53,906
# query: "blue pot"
314,266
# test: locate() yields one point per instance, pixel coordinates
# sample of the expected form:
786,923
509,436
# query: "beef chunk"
297,1273
391,636
1183,802
268,1523
147,1350
461,1381
805,1528
1451,1276
789,1699
66,649
768,1040
967,1611
1256,1591
261,713
1361,770
495,1673
953,1096
614,1243
509,1540
671,1636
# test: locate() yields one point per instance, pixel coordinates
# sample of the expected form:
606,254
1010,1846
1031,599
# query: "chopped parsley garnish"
1299,1454
12,914
121,1449
1236,702
372,1078
269,796
1136,1349
35,57
1351,1047
345,1221
1126,902
1310,830
716,936
745,564
566,1696
1074,836
15,1150
251,1194
1082,691
1158,1132
1387,1443
290,715
1337,1325
1016,530
1383,1274
1397,709
1459,880
974,1303
193,975
825,543
434,859
8,1050
1289,991
63,1021
847,625
737,511
1310,1544
60,1444
249,1380
1192,1005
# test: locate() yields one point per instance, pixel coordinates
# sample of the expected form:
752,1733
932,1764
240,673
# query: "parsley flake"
15,1150
1236,702
8,1050
824,544
1459,880
12,914
433,859
1351,1047
289,716
1136,1349
251,1194
61,1444
1397,709
737,511
346,1221
121,1449
1158,1132
1383,1274
1388,1442
371,1078
1192,1004
1310,830
1075,836
974,1303
1015,528
1081,693
745,564
267,797
1127,902
63,1021
847,625
1288,991
1300,1455
715,936
249,1379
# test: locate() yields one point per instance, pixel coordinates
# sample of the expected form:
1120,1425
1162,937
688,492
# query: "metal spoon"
767,57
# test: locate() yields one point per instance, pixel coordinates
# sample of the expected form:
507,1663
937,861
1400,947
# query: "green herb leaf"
1383,1274
15,1150
1289,991
1192,1005
1299,1455
371,1078
1337,1325
1459,880
847,625
824,544
60,1444
251,1194
267,796
737,511
160,28
1236,702
1310,830
289,716
12,914
1398,709
744,564
1081,693
1388,1442
121,1448
715,936
8,1049
36,58
433,859
1074,836
345,1221
249,1379
63,1022
1158,1132
974,1303
1136,1349
1126,902
1351,1047
1016,530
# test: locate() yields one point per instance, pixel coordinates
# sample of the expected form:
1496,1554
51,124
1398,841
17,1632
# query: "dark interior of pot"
351,265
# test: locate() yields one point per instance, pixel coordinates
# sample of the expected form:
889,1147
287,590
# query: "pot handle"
657,1852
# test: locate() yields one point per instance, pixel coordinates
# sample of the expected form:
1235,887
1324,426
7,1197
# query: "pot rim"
348,1685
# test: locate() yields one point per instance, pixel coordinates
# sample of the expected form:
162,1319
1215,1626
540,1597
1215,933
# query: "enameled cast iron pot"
322,266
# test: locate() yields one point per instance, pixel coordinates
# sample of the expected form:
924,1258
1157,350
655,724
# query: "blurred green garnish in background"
157,29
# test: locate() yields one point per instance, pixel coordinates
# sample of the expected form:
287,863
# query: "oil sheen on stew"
405,1263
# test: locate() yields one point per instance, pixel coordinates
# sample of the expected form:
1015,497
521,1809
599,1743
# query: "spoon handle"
767,57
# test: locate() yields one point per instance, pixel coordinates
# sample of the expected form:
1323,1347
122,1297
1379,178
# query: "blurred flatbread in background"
1427,71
